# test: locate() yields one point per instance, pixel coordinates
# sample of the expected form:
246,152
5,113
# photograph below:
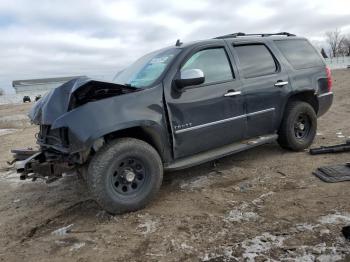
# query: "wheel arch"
305,96
153,135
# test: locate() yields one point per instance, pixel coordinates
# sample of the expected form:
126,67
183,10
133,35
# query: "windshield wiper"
129,85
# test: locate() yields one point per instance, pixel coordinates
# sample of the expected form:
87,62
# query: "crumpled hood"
73,94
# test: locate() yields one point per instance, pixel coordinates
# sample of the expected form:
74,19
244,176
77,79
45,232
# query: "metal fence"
338,62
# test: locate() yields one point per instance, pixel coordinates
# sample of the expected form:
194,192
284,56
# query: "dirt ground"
259,205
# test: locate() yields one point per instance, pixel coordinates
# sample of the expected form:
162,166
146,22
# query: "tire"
125,175
298,128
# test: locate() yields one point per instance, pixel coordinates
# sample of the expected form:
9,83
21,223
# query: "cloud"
47,38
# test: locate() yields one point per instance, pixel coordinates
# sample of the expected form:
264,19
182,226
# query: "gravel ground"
257,205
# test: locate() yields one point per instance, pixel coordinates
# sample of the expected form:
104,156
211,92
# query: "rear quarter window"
299,53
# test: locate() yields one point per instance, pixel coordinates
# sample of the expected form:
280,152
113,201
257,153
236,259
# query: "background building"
39,86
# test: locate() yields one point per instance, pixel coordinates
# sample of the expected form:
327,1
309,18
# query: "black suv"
175,108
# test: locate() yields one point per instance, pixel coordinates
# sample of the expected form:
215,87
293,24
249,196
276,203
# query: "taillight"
329,79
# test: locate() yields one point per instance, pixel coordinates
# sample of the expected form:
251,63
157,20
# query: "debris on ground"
334,173
63,230
77,246
331,149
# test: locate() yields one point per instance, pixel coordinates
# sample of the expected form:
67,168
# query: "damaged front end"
34,164
62,144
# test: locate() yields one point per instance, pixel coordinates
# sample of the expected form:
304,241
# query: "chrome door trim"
223,120
261,112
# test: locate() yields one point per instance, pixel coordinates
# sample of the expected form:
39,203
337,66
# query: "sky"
52,38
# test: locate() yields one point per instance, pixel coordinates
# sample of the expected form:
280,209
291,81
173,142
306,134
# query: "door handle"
232,93
281,83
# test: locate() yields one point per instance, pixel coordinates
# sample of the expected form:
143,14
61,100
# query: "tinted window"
299,53
213,62
255,60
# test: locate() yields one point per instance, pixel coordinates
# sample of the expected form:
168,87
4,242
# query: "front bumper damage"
34,164
74,120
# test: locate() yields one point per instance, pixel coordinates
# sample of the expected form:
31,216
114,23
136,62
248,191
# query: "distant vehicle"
178,107
37,97
26,99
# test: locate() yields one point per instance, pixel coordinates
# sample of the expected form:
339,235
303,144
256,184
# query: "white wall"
338,62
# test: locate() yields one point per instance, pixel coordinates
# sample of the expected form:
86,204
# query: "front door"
211,114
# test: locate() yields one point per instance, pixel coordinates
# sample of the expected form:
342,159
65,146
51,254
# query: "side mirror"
190,77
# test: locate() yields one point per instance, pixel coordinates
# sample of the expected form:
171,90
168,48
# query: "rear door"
211,114
265,86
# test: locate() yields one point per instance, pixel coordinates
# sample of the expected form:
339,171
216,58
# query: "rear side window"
299,53
214,64
255,60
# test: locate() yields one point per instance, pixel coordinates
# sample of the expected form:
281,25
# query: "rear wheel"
125,175
298,128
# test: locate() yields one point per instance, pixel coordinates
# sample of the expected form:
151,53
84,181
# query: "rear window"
299,53
255,60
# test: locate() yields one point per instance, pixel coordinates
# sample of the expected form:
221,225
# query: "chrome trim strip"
209,124
223,121
261,112
326,94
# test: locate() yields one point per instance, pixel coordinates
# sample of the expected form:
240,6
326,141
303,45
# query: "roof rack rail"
234,35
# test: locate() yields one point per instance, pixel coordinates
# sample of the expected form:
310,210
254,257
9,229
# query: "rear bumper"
325,101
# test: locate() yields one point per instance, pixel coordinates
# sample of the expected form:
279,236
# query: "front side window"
214,64
255,60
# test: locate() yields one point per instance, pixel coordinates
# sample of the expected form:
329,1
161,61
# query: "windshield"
146,70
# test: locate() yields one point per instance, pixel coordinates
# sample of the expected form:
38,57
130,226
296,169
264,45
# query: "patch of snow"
305,258
260,244
62,231
263,245
185,246
225,255
14,121
196,183
324,232
148,226
260,199
12,178
336,218
17,117
305,226
6,131
77,246
237,215
329,258
101,214
319,252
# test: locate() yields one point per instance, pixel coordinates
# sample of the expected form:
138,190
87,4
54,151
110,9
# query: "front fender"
96,119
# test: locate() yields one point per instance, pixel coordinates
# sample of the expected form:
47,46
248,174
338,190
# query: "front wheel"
125,175
298,128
